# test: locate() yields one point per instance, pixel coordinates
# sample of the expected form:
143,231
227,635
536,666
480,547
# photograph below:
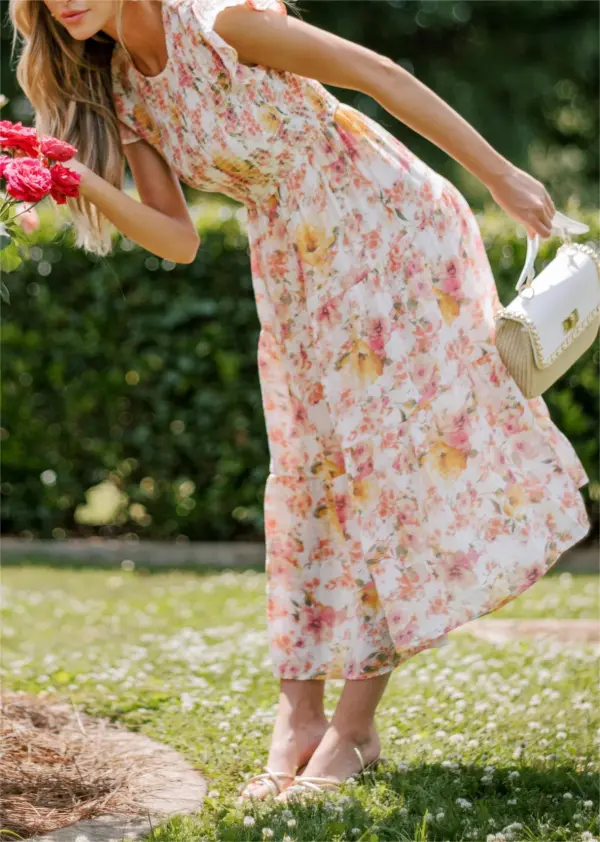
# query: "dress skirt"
412,486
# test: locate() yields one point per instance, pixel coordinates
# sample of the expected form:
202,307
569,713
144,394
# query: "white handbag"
556,315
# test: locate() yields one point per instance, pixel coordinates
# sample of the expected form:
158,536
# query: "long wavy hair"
68,83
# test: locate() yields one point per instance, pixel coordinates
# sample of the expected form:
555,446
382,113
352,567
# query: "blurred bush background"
130,395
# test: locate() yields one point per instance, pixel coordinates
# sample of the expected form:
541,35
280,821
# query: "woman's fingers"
541,215
526,200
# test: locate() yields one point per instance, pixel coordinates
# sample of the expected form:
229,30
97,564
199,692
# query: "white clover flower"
356,831
456,738
291,823
513,775
267,833
214,793
249,821
187,702
567,795
561,735
588,805
440,816
462,802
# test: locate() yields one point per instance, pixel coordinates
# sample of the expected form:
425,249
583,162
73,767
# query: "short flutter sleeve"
127,134
205,13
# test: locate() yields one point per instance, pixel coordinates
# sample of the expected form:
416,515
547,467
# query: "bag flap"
560,301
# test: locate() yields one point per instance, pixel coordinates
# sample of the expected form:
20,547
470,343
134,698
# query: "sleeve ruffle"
205,13
127,134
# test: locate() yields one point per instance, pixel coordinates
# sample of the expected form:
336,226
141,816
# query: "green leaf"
4,292
10,259
5,240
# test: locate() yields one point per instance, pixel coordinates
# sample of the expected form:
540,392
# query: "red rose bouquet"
31,168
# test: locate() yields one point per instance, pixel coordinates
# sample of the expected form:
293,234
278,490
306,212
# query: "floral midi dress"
412,487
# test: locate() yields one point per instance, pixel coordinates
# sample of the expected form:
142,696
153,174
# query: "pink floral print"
412,487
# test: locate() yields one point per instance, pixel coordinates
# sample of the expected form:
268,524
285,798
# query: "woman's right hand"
525,199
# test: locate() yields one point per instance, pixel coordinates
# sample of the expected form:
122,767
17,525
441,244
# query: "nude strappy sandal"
271,779
310,785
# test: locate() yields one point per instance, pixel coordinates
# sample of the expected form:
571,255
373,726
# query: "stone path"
171,787
574,632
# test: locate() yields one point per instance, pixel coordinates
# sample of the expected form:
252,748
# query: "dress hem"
402,657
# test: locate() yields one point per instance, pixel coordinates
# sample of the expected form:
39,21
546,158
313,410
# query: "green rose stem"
23,211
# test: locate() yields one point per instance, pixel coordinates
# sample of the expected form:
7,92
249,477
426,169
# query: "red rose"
56,150
27,179
65,183
4,159
17,136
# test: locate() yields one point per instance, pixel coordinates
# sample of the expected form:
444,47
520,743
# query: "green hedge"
131,373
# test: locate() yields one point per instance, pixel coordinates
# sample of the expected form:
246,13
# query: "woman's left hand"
525,199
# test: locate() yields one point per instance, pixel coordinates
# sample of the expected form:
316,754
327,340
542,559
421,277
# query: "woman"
412,487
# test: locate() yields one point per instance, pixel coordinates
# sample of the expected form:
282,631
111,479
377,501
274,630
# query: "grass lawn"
486,742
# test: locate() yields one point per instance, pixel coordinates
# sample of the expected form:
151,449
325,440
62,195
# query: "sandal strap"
312,784
360,757
313,781
269,777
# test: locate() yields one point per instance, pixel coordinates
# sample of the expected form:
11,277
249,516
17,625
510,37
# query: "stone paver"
171,786
565,631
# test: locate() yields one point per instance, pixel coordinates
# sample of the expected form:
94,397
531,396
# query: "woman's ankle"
356,731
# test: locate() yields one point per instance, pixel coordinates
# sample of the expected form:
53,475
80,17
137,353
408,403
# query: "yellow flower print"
351,120
369,596
269,118
362,361
515,499
146,124
445,460
449,306
315,99
314,243
240,168
327,469
329,512
363,490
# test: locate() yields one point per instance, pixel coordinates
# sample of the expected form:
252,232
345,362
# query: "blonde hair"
69,86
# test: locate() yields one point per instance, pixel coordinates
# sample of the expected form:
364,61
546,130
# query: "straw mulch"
59,767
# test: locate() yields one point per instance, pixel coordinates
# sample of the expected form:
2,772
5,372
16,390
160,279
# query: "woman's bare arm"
286,43
160,223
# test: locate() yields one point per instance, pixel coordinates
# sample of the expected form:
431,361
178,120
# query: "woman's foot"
295,738
335,757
